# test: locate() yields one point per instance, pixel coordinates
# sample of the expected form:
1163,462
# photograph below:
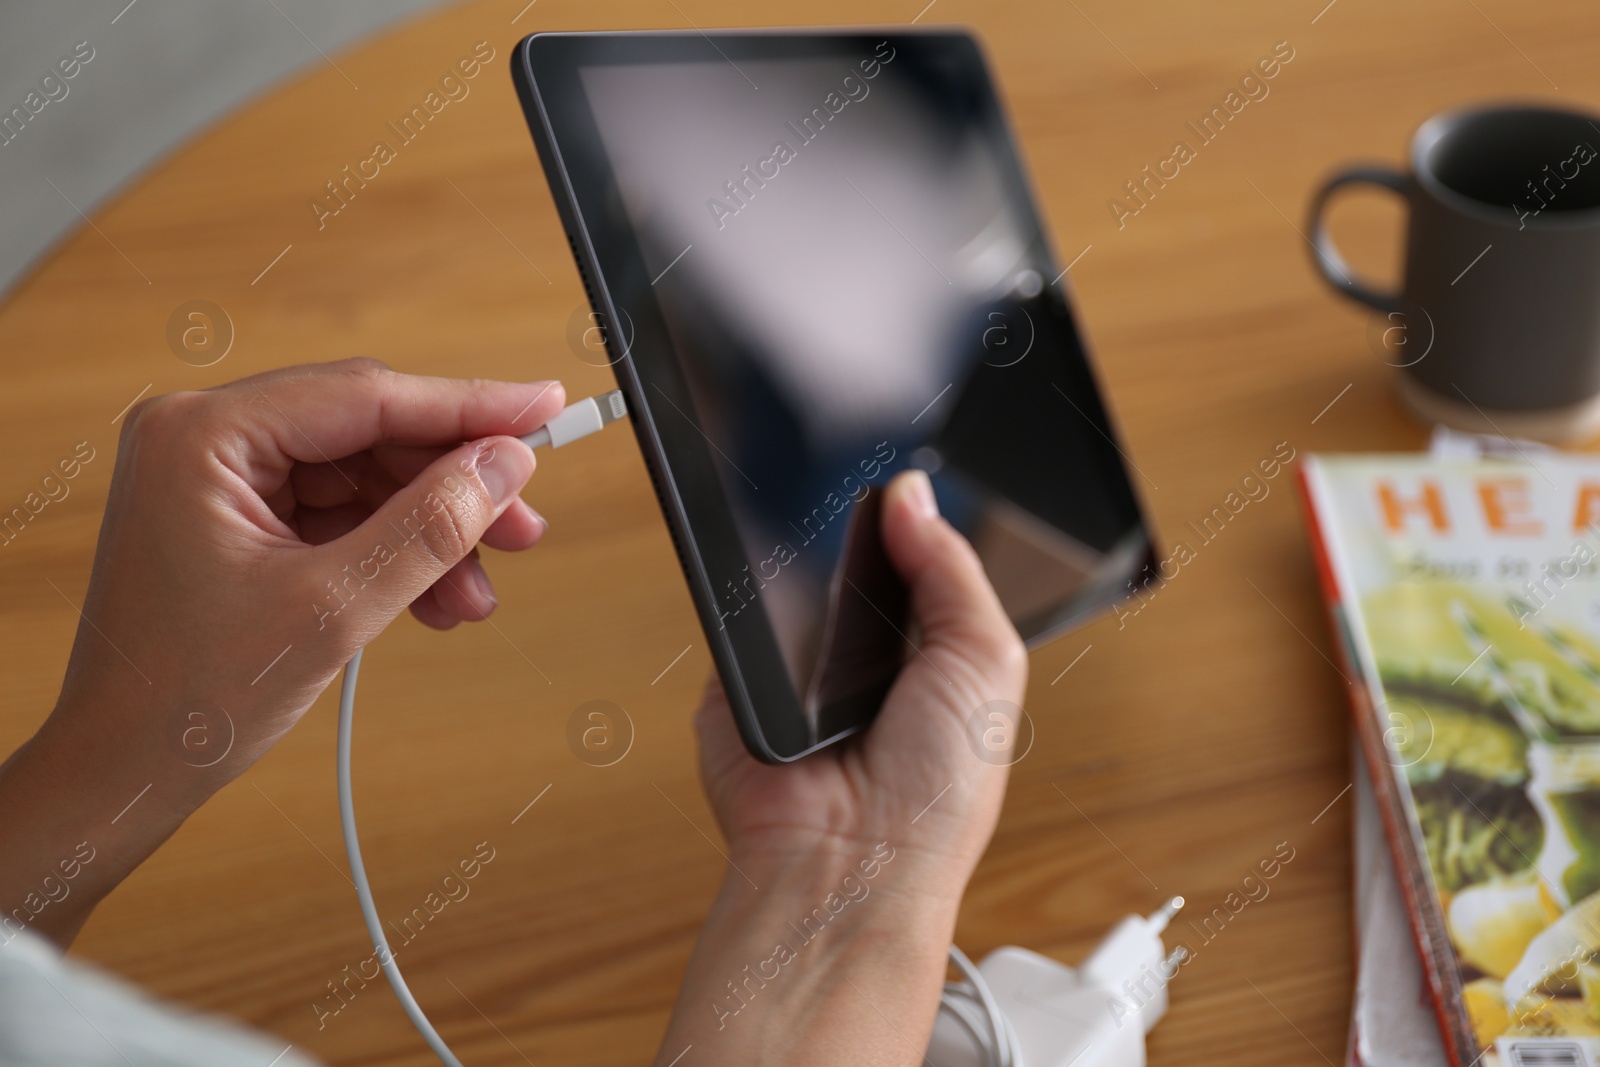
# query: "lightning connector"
589,415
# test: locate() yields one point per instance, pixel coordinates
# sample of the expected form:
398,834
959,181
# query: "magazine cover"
1465,594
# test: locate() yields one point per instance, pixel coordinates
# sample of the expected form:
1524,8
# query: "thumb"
967,638
427,526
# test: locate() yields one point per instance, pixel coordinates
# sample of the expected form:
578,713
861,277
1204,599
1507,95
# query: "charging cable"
1018,1009
575,421
971,1005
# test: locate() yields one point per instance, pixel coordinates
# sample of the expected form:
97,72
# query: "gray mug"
1497,327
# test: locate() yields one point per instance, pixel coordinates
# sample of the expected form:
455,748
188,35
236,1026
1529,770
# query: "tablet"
816,262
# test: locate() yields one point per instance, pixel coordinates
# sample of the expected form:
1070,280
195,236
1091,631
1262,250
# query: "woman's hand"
828,941
255,537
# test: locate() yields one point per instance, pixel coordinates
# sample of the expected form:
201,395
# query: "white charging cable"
575,421
975,1026
972,1004
358,874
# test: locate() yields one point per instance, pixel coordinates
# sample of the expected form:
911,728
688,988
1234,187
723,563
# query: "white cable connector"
589,415
1056,1016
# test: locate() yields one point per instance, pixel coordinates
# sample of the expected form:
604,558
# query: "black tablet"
816,262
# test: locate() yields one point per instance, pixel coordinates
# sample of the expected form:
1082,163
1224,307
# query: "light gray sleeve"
55,1011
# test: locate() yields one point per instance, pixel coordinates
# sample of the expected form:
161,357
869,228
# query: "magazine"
1465,595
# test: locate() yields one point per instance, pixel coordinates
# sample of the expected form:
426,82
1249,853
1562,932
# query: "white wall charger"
1095,1015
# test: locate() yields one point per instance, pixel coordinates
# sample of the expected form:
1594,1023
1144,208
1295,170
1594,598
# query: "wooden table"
1176,753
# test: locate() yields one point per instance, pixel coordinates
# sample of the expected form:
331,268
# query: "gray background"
162,71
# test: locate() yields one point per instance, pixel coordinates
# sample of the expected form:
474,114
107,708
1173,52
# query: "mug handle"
1330,264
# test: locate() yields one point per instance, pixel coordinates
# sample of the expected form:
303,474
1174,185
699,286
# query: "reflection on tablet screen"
853,281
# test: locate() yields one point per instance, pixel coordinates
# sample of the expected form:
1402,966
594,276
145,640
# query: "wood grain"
1184,745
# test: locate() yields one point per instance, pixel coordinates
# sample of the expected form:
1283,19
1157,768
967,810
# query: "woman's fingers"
357,478
360,484
463,594
337,498
519,528
320,414
970,663
318,526
721,748
422,532
371,475
967,638
465,591
427,611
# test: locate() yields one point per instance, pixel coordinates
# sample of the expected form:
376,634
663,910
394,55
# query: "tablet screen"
850,278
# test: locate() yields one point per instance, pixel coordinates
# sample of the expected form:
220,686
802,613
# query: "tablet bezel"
546,70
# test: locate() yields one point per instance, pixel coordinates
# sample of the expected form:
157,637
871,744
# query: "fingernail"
481,581
542,522
504,470
540,391
544,388
920,490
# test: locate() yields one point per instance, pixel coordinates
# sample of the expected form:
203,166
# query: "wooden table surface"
1182,747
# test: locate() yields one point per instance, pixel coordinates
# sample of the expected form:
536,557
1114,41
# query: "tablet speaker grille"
583,276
